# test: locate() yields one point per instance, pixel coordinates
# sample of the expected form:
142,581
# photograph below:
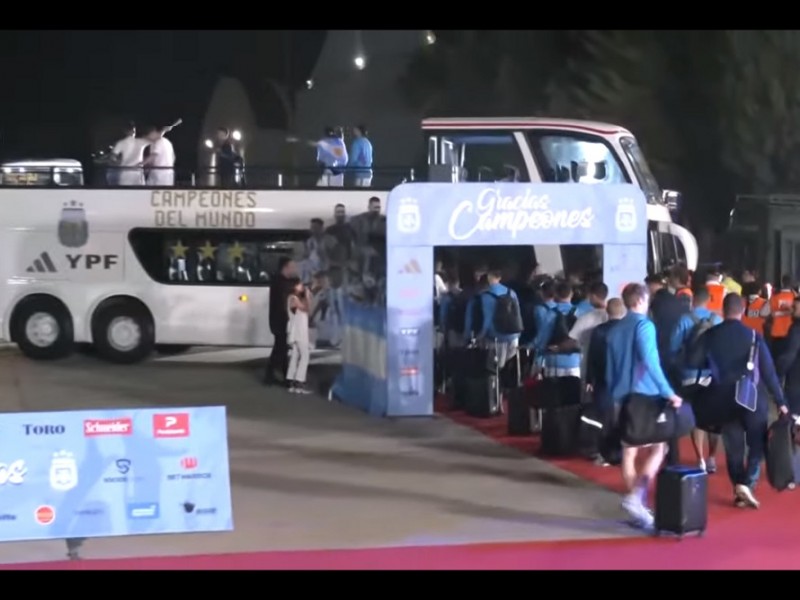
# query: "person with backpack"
565,366
473,308
685,340
502,320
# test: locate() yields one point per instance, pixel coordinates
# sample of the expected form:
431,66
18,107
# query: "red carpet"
738,539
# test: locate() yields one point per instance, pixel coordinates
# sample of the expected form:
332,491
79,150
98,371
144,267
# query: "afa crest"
409,219
625,220
73,228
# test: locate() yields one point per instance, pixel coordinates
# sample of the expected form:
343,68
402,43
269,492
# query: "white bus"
98,266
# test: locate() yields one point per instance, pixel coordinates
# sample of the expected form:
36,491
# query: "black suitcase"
783,459
482,396
592,428
519,412
681,501
560,430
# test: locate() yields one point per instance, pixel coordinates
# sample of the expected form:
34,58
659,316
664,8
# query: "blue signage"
423,216
114,472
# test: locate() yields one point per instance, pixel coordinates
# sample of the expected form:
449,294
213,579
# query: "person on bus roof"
361,157
128,156
161,161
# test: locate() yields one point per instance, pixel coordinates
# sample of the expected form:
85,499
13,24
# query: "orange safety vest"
716,291
752,316
780,310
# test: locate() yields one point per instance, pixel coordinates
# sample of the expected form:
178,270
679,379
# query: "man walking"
788,363
727,349
633,369
691,327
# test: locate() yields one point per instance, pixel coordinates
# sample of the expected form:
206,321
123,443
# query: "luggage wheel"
791,486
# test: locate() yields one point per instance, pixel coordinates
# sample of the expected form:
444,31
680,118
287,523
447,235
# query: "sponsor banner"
114,472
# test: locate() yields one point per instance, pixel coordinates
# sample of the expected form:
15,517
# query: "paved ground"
311,474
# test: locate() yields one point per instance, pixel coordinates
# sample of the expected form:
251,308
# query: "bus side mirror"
671,199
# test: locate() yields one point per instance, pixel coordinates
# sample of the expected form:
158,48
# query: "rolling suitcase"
482,396
591,429
681,501
463,364
519,410
560,430
483,399
783,458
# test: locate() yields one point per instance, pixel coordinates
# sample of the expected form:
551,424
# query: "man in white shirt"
128,156
162,158
581,333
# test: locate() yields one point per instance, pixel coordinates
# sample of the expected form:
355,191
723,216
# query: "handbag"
648,420
746,393
645,420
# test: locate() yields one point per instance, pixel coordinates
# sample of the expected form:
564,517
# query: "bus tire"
171,349
123,332
42,328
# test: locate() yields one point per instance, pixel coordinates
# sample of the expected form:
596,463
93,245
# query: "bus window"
575,158
214,257
482,156
583,260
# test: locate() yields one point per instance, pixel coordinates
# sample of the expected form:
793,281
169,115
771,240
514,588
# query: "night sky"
59,84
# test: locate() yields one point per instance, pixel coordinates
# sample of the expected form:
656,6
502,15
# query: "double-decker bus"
131,270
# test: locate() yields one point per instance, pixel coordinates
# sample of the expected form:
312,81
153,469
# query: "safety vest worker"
754,316
780,311
717,292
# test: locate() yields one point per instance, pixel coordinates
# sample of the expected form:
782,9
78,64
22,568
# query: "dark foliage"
717,112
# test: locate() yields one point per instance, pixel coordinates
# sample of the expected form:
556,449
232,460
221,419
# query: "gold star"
208,250
179,250
236,251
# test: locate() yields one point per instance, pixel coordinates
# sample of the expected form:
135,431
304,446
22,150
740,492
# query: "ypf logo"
171,426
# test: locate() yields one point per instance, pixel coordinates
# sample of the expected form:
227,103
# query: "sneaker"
639,515
701,464
739,503
291,386
301,389
711,465
745,494
599,461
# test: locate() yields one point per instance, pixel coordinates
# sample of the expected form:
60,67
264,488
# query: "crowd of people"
344,262
713,350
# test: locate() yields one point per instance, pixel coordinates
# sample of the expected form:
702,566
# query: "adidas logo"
412,267
43,264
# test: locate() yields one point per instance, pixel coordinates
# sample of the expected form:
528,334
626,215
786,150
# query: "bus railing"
248,177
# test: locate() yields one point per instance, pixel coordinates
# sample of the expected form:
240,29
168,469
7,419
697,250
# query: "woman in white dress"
299,339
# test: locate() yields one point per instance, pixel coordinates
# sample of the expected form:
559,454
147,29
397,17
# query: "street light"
360,62
430,37
209,144
236,135
309,84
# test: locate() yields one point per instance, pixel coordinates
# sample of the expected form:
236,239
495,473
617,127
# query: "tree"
759,110
472,73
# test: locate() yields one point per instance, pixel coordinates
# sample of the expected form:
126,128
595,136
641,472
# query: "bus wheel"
171,349
123,332
42,328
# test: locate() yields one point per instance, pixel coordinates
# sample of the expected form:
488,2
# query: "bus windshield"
647,180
